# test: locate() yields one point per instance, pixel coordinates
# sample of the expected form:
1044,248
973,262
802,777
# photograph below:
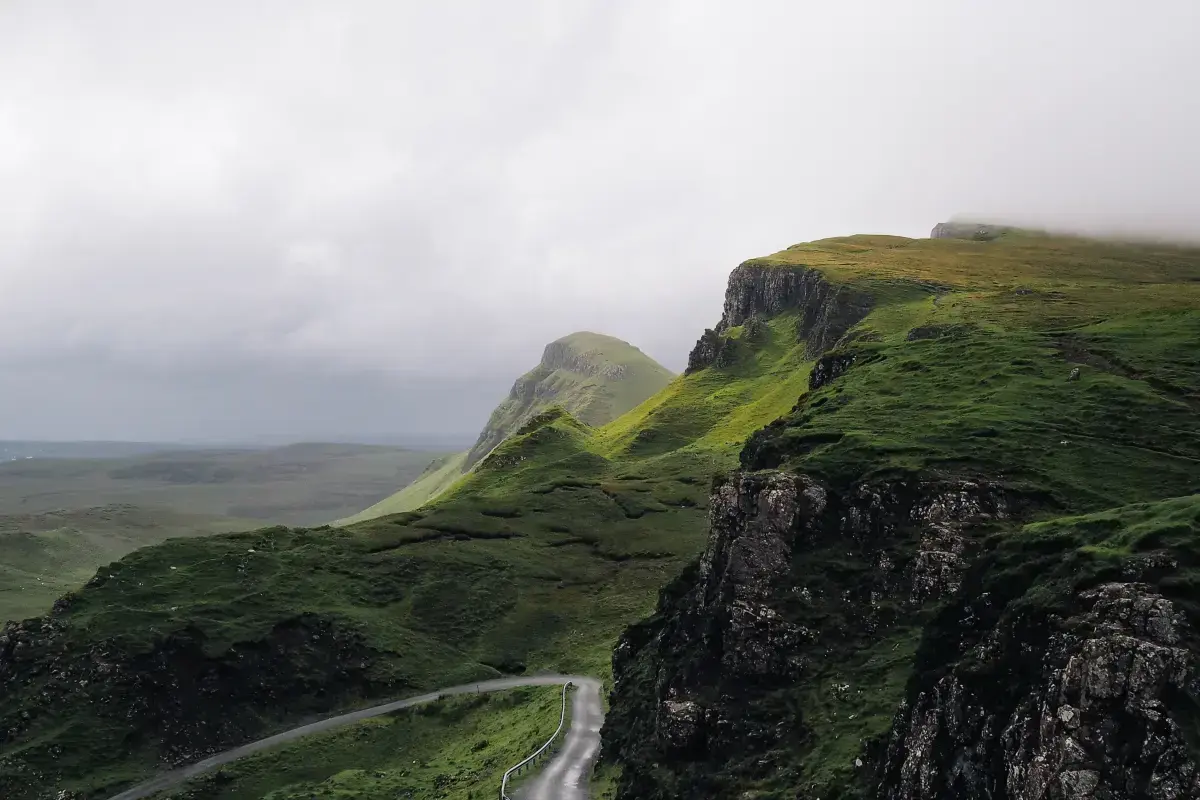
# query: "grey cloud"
435,190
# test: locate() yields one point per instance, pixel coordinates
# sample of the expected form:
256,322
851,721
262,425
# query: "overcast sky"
231,218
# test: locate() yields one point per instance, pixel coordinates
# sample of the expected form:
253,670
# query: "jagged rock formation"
759,290
595,378
1094,715
829,367
704,354
708,692
714,692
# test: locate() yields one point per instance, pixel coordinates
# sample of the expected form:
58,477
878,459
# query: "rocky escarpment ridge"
716,688
1090,710
752,670
560,355
757,291
746,676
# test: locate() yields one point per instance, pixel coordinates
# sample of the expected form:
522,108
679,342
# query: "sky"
296,218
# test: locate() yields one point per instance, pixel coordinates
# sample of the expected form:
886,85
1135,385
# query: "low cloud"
430,192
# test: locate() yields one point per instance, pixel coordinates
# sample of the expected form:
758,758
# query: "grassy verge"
456,749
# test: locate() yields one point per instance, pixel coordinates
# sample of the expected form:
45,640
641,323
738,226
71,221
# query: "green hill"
898,599
45,555
76,506
596,378
915,494
439,476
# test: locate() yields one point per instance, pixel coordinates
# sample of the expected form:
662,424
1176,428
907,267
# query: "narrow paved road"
566,776
172,779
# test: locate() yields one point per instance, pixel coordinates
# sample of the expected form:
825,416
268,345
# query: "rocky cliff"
1090,705
756,290
801,600
901,596
866,644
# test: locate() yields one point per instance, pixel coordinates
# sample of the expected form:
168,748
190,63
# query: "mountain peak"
594,377
595,354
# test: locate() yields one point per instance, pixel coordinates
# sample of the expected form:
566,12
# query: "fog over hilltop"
227,220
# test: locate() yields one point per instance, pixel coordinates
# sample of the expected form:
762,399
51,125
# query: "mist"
294,218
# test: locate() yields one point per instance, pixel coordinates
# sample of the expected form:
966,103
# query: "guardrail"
533,757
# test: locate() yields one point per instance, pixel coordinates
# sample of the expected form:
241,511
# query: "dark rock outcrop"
704,354
182,701
829,367
1017,687
1096,718
757,291
709,690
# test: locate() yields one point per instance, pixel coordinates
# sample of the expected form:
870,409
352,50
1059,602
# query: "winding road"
566,776
589,689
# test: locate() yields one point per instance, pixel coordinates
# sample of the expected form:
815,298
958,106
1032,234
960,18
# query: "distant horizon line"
262,439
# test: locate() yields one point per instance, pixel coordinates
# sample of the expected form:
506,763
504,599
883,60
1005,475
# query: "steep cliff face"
951,570
803,595
594,377
1092,709
857,644
759,290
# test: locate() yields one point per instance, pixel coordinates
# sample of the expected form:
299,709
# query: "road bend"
566,776
170,780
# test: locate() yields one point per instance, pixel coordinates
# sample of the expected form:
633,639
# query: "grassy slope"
533,564
982,390
456,749
563,535
989,393
590,396
43,556
305,484
437,477
595,399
